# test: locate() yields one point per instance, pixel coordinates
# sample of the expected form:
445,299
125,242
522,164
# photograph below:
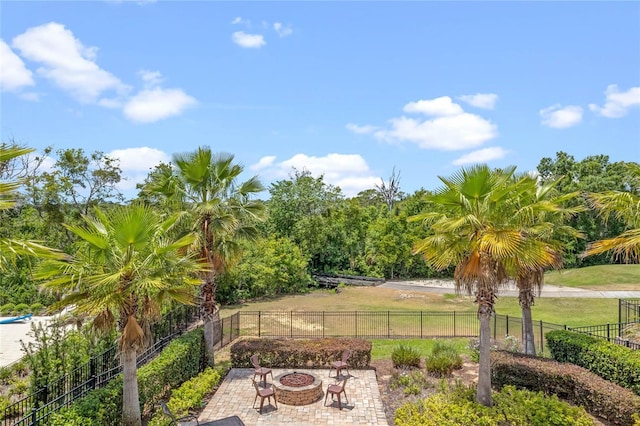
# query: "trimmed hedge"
570,382
178,362
613,362
300,353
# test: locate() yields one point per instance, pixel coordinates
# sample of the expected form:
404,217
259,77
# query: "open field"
601,277
573,312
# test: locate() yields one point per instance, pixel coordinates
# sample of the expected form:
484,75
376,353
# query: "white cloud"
156,104
451,133
136,163
450,128
483,155
441,106
150,78
283,31
236,20
248,40
14,75
348,171
481,100
264,162
361,130
67,62
617,103
560,117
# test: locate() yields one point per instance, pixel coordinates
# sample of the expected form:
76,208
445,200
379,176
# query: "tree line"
121,263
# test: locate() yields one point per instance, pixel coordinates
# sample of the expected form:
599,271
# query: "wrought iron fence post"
356,323
542,337
323,324
259,315
495,325
388,326
455,334
421,334
507,325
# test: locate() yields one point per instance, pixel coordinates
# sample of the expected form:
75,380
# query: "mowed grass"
382,348
601,277
570,311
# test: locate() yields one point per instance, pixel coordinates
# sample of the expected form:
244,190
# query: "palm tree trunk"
484,396
130,400
210,317
528,339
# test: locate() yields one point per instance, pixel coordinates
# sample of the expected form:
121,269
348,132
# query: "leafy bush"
404,356
511,407
189,395
570,382
36,308
22,308
7,309
412,381
613,362
444,358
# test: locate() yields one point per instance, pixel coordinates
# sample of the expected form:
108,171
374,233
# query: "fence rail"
614,333
628,310
383,325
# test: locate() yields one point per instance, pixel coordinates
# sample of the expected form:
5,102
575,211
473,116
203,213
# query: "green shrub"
413,381
570,382
22,308
613,362
7,309
189,395
444,358
404,356
511,407
36,308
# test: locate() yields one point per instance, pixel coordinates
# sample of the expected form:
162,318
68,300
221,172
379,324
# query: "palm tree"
477,230
126,268
541,215
11,248
624,205
222,213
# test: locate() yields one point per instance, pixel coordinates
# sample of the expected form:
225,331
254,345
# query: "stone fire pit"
295,388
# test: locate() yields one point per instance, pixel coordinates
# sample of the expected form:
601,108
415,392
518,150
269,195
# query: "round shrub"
22,308
404,356
444,358
7,309
36,308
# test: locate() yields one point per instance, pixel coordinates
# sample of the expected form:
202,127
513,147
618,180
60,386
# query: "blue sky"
347,89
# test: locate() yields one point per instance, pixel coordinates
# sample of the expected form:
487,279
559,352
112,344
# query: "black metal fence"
383,325
36,407
628,310
615,333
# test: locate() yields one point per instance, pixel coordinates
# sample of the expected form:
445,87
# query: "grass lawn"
382,348
601,277
570,311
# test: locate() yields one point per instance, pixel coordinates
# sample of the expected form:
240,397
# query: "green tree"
625,207
12,249
127,267
205,185
543,214
593,174
478,233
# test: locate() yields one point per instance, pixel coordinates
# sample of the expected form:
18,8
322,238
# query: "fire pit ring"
296,388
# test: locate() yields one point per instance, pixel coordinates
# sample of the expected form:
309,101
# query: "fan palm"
127,266
477,230
222,212
541,215
11,248
624,205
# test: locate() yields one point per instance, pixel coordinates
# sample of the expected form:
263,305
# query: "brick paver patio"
236,394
